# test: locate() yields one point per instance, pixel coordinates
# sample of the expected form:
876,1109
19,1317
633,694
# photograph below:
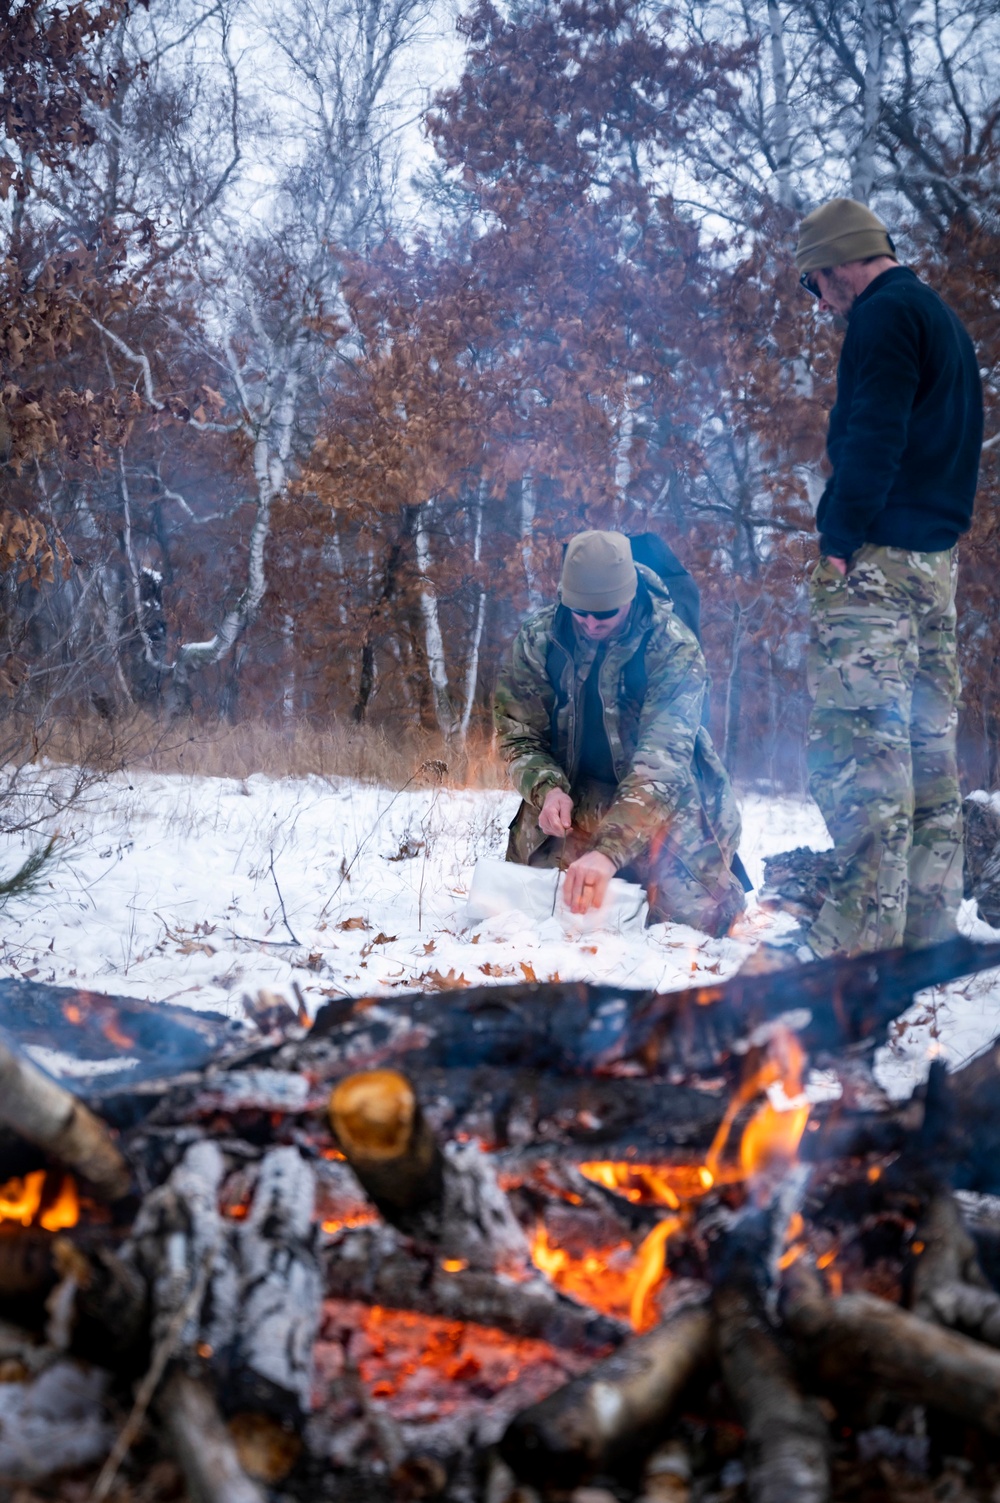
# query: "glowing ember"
64,1211
423,1368
116,1035
363,1217
23,1201
20,1198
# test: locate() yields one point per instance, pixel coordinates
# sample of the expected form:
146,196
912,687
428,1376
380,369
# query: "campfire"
507,1243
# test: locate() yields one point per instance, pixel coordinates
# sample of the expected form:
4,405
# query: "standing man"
904,442
598,715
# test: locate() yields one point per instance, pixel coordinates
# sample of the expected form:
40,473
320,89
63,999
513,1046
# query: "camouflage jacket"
658,744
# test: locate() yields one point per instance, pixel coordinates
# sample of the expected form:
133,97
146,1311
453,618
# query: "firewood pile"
557,1241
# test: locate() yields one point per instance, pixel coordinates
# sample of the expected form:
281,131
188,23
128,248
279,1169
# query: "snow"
200,890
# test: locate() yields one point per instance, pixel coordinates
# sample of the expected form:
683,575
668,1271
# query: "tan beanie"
842,230
598,573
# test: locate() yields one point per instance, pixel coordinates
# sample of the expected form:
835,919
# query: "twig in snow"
281,900
433,765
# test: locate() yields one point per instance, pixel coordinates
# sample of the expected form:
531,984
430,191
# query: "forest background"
309,366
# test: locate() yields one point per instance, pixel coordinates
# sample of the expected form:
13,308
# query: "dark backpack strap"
635,679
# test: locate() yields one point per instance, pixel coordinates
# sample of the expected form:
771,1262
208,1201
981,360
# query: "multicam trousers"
686,877
883,674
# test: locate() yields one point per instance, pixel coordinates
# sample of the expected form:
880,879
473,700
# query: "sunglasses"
594,615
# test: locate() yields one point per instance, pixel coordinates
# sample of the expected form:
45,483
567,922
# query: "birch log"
46,1114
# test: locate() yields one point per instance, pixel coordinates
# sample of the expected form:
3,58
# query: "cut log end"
378,1123
373,1115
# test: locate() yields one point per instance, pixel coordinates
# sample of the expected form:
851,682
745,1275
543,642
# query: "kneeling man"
598,715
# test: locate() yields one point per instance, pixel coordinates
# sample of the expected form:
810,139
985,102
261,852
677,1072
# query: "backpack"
653,552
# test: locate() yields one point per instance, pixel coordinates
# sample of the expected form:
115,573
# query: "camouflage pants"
883,674
686,876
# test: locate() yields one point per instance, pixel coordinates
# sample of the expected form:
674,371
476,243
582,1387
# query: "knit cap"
598,573
842,230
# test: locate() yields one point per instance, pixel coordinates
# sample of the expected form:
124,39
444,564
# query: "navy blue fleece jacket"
907,429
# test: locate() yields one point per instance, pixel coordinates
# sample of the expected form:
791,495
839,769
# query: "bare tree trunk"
272,444
863,158
623,446
437,668
730,734
472,663
390,587
781,121
535,601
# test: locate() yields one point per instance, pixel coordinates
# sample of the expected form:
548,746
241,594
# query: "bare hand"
840,564
586,884
556,814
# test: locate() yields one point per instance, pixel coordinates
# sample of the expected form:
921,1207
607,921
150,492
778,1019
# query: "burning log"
450,1199
47,1115
373,1264
860,1336
787,1441
204,1448
620,1405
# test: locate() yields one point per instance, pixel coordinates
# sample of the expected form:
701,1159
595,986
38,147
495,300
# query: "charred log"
787,1443
944,1254
621,1404
573,1028
861,1337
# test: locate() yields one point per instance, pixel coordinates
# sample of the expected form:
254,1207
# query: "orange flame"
64,1211
615,1282
21,1200
613,1279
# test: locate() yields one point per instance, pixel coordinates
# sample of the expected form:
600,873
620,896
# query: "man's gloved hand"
586,884
556,814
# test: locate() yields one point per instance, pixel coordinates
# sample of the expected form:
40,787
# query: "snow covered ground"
199,890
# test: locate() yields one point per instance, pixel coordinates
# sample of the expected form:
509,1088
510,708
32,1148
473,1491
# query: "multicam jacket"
652,704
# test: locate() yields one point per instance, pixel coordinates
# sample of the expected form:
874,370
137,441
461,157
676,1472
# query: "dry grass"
368,754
